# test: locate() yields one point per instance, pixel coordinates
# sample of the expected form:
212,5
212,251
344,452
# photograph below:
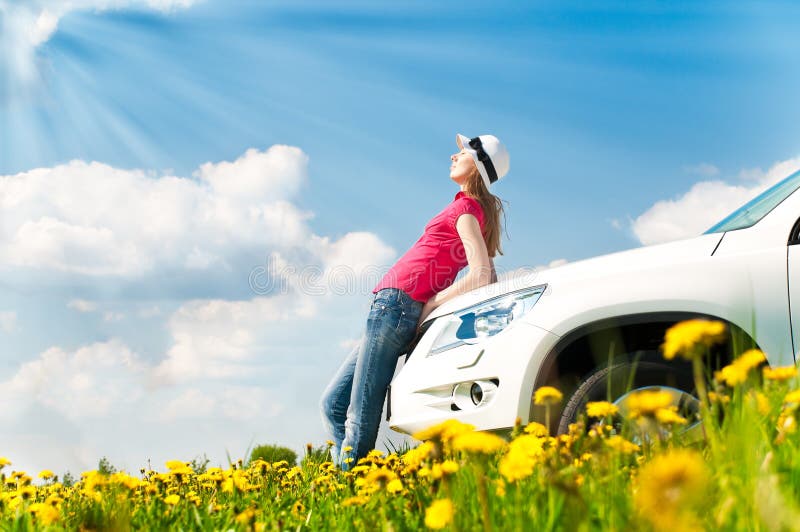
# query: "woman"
466,232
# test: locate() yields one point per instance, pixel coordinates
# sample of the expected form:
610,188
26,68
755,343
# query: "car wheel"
629,374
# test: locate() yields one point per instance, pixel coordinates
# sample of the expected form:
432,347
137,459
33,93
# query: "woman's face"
461,167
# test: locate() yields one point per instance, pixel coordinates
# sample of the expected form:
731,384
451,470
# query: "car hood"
597,267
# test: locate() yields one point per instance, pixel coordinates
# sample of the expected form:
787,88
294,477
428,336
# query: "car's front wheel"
629,374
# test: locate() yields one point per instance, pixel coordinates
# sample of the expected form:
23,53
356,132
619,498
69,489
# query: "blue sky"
613,113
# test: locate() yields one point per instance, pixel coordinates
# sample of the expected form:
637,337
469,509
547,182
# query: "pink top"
432,263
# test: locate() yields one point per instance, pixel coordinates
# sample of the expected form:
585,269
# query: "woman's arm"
481,267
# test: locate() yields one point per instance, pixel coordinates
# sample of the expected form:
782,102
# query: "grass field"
738,470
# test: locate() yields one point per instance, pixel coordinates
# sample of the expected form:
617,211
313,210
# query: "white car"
593,328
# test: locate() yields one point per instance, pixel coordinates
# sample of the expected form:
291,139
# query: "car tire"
627,374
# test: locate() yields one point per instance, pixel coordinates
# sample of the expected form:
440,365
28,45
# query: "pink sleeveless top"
432,263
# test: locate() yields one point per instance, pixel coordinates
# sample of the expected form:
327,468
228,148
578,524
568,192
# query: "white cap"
489,154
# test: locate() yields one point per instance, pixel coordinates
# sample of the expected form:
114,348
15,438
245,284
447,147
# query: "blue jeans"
352,403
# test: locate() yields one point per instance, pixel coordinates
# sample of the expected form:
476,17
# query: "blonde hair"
492,208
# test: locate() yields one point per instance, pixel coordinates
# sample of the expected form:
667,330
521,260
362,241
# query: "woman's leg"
390,328
336,399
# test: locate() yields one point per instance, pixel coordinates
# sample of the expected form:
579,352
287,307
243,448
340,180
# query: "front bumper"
422,392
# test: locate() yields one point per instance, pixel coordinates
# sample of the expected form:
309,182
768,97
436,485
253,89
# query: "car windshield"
755,209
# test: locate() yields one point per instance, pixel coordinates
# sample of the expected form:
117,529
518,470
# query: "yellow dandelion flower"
478,442
126,480
358,500
247,517
601,409
751,358
444,431
732,374
46,514
262,466
173,499
413,458
54,500
516,465
670,486
357,470
670,416
294,472
379,478
439,470
298,509
4,462
536,429
522,457
46,474
439,514
529,444
26,492
621,445
792,397
686,338
547,395
394,486
175,464
647,402
449,467
737,371
783,373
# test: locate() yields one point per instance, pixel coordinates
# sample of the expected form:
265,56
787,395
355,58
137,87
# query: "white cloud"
258,176
192,403
88,382
111,316
8,321
704,204
218,339
81,305
95,220
45,25
238,403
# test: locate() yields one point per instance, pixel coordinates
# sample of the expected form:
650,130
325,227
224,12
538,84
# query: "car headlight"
485,319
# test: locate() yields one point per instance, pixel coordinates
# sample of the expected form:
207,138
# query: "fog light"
469,395
476,393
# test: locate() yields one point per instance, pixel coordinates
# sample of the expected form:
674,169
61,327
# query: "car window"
758,207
